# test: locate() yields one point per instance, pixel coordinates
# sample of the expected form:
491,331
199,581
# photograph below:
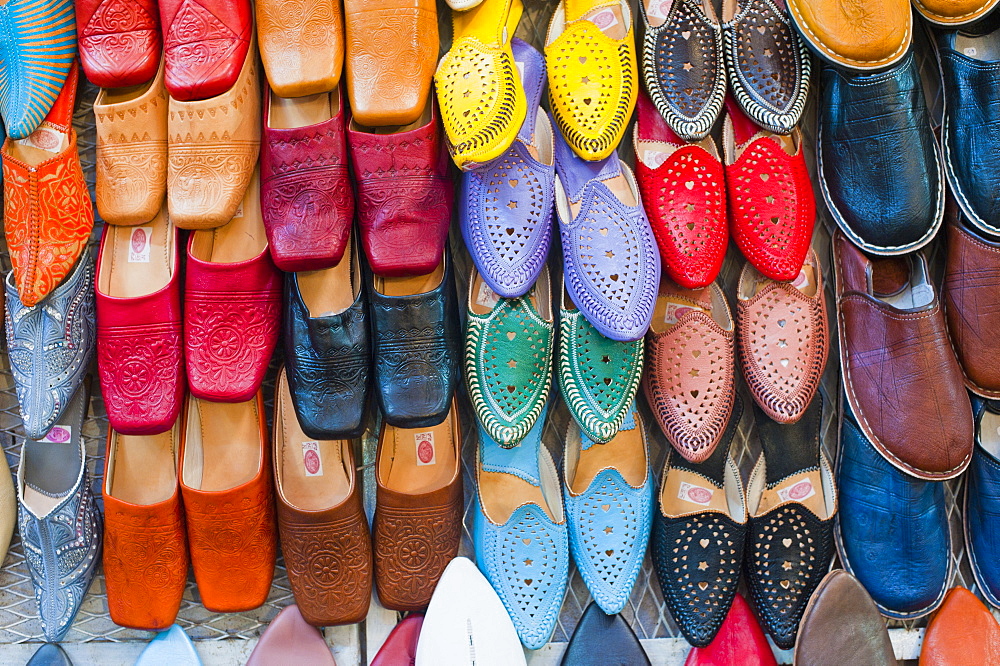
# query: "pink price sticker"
59,434
797,492
138,246
604,19
311,459
695,494
424,443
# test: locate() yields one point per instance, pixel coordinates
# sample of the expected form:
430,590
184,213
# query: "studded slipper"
698,537
508,357
507,217
593,76
792,503
598,377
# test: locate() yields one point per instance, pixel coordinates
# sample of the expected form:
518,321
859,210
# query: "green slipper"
508,357
598,377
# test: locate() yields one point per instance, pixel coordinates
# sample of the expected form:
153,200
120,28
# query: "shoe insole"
657,11
137,261
493,22
501,494
655,153
625,452
619,187
673,302
108,96
903,290
223,444
989,432
482,298
606,15
422,121
312,475
52,465
241,239
805,282
143,468
332,290
983,47
293,112
415,461
740,130
412,285
42,145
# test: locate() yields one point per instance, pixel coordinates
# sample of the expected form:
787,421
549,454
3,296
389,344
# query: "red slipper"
740,641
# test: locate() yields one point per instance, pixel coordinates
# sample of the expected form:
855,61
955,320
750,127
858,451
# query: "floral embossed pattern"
119,41
204,44
301,45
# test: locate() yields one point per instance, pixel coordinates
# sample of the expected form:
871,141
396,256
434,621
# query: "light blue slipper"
169,647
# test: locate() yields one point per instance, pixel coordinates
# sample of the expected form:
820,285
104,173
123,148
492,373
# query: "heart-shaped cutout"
690,226
606,507
784,362
466,113
784,584
603,232
526,542
694,394
583,59
781,323
704,543
765,177
686,34
614,278
512,183
702,586
696,353
761,29
511,389
609,553
607,381
528,581
588,100
510,231
787,543
689,184
511,335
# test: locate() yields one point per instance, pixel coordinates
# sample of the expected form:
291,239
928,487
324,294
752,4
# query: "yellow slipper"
478,84
593,77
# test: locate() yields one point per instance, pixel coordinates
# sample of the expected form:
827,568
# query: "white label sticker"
239,211
44,138
424,443
486,296
59,434
970,51
311,459
797,492
659,9
677,310
138,246
654,158
604,19
695,494
801,281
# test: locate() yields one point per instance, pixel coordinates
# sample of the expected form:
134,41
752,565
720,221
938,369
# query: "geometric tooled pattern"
51,346
690,383
526,561
508,365
120,42
698,560
37,48
481,107
209,177
62,551
593,84
682,68
611,261
768,65
197,45
772,208
685,199
598,377
609,526
412,548
507,218
783,341
788,552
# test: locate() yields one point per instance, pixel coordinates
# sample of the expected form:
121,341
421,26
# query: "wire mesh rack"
645,612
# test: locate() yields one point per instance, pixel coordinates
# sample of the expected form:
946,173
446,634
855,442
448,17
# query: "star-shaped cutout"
609,529
585,80
688,67
528,562
787,565
609,254
767,52
694,372
702,566
512,205
512,364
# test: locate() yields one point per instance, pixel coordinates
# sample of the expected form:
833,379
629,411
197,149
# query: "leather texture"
416,345
392,50
405,196
878,165
902,379
62,542
145,545
603,640
482,114
466,619
50,346
608,546
768,64
50,654
306,198
119,41
301,45
783,339
169,647
38,54
205,43
841,625
290,639
740,641
610,260
401,645
971,284
508,359
131,180
873,34
598,377
326,545
962,633
231,532
140,359
586,64
683,187
772,209
416,535
981,511
329,360
232,315
952,13
893,531
506,216
48,215
684,76
501,552
789,545
690,375
969,125
212,144
700,579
